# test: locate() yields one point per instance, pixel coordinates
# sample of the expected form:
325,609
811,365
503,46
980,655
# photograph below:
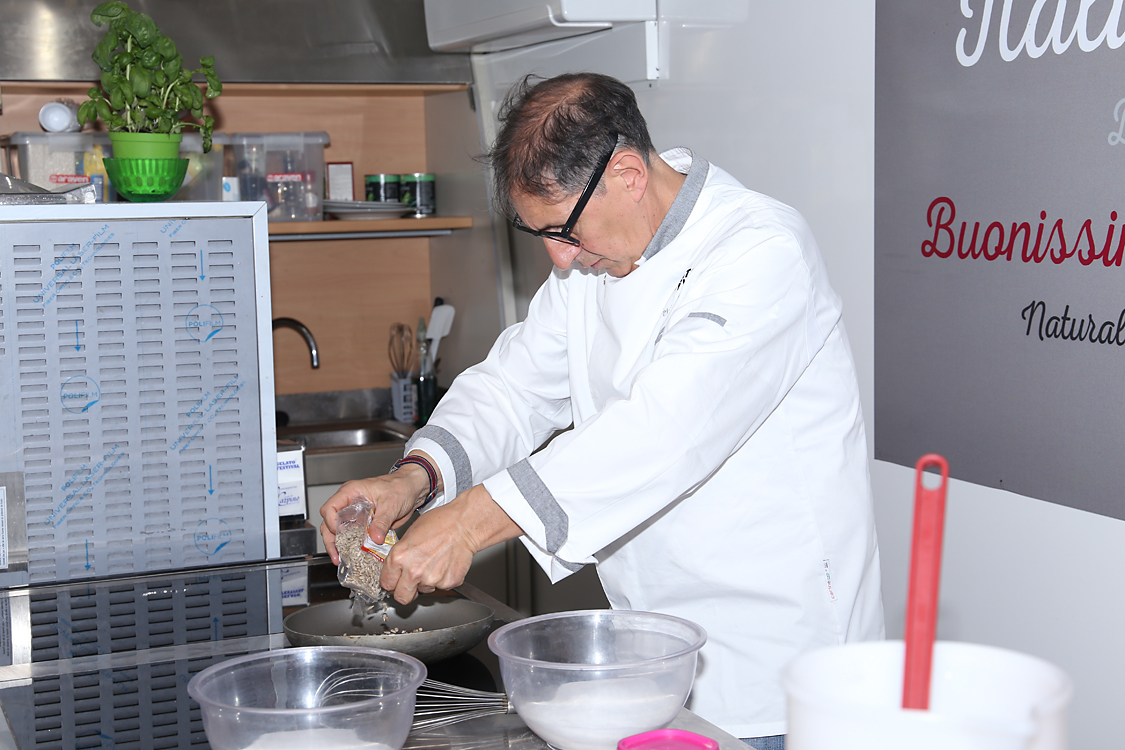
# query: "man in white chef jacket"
717,465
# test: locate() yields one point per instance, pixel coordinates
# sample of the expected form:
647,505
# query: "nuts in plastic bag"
361,559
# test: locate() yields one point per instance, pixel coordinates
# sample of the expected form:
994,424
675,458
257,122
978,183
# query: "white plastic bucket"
981,698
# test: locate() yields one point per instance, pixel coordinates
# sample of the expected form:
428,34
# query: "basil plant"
144,86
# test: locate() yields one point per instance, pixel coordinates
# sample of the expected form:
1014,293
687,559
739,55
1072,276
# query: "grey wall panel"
973,159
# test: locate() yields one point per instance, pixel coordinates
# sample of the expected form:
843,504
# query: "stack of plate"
366,209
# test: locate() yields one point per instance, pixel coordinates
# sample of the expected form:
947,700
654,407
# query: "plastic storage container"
56,161
204,178
286,170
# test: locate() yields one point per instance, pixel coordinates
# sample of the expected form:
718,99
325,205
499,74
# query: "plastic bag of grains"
361,559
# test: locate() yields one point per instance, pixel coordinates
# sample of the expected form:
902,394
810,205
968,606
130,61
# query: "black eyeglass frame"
583,199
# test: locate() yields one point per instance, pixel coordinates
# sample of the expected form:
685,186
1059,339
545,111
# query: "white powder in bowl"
314,739
595,715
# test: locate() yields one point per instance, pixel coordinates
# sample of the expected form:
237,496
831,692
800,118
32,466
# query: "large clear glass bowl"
314,698
585,680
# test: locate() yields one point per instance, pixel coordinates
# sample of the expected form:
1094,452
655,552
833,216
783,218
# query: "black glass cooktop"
107,664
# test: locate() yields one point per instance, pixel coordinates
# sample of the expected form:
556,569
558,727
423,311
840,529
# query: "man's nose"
562,253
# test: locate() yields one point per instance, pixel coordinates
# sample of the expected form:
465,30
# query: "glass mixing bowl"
585,680
313,698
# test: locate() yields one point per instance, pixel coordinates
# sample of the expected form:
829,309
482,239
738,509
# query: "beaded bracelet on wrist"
431,472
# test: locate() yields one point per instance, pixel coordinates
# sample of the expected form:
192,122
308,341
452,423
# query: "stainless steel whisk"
400,350
437,705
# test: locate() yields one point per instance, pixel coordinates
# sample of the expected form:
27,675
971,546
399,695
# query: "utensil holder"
402,397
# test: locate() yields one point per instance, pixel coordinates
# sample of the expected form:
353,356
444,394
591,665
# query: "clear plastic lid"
281,140
61,141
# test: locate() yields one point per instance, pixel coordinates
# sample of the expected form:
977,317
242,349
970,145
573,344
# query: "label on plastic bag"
380,551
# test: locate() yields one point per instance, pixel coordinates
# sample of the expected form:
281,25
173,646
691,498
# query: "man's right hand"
395,497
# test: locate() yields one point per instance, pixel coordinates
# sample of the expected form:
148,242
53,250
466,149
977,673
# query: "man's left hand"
437,550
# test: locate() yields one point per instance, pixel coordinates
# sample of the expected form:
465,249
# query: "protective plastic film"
133,413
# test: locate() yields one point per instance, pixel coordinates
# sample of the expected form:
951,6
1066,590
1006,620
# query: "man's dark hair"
554,130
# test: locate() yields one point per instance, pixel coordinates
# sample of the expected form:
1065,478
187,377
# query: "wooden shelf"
429,226
58,88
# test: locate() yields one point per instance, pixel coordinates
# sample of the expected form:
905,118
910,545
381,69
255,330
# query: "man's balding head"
553,131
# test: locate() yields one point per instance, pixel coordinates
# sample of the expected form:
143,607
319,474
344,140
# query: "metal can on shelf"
418,192
381,187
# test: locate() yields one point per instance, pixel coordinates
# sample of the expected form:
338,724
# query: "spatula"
441,320
925,574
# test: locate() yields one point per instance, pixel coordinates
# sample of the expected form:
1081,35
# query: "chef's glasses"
568,227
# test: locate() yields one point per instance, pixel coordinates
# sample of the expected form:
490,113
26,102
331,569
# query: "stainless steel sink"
334,436
337,453
343,437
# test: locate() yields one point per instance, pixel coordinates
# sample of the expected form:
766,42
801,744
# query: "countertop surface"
106,663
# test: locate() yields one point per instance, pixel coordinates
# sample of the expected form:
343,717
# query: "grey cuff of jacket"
556,524
462,467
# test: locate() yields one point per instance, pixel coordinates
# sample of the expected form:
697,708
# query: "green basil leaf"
95,93
173,67
165,46
214,85
104,111
127,90
196,97
87,112
106,12
207,62
151,59
122,59
117,99
197,113
158,78
103,52
141,80
154,112
143,29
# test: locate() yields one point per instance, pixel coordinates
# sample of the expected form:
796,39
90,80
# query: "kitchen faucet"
300,328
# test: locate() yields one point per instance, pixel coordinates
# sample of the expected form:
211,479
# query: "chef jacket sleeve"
497,412
739,336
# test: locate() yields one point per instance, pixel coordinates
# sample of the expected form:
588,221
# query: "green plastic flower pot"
146,180
146,145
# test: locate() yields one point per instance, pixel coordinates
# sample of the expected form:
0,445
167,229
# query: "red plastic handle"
925,576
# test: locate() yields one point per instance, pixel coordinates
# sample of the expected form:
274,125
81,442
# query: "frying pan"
450,626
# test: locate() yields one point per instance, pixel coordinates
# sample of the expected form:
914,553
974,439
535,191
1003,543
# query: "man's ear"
631,172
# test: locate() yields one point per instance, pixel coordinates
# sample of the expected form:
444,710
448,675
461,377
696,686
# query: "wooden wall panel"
379,128
348,293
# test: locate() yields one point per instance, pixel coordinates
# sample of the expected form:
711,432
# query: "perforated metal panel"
133,352
141,706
